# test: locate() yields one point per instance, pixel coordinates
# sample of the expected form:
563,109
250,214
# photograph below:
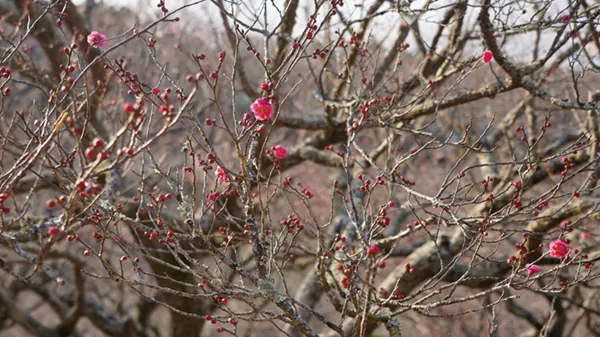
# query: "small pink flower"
532,269
373,250
155,91
559,249
221,175
565,18
128,108
585,235
52,231
96,39
487,56
279,151
262,109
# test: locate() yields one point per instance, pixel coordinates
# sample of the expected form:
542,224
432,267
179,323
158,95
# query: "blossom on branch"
262,109
559,249
96,39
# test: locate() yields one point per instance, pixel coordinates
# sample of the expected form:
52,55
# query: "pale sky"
196,19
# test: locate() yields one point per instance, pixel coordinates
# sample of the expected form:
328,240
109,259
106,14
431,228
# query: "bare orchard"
299,168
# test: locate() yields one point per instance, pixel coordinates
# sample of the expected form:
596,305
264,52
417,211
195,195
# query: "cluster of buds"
484,227
330,148
95,217
368,105
546,123
267,87
68,69
99,237
92,151
67,84
161,5
347,271
406,181
568,165
229,236
160,197
383,220
542,204
131,80
320,53
486,183
335,3
5,72
308,194
516,201
292,222
73,125
86,189
56,201
137,111
311,26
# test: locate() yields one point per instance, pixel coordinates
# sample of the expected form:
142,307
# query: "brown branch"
233,45
487,31
389,59
25,320
536,229
285,31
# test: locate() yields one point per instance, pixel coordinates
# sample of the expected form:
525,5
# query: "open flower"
559,249
373,250
96,39
221,175
487,56
262,109
279,151
532,269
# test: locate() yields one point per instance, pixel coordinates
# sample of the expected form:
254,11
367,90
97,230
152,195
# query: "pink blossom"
559,249
96,39
585,235
487,56
52,231
565,224
565,18
532,269
279,151
155,91
373,250
221,175
128,108
262,109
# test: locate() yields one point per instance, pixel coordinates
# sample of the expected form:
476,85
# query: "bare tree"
299,168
